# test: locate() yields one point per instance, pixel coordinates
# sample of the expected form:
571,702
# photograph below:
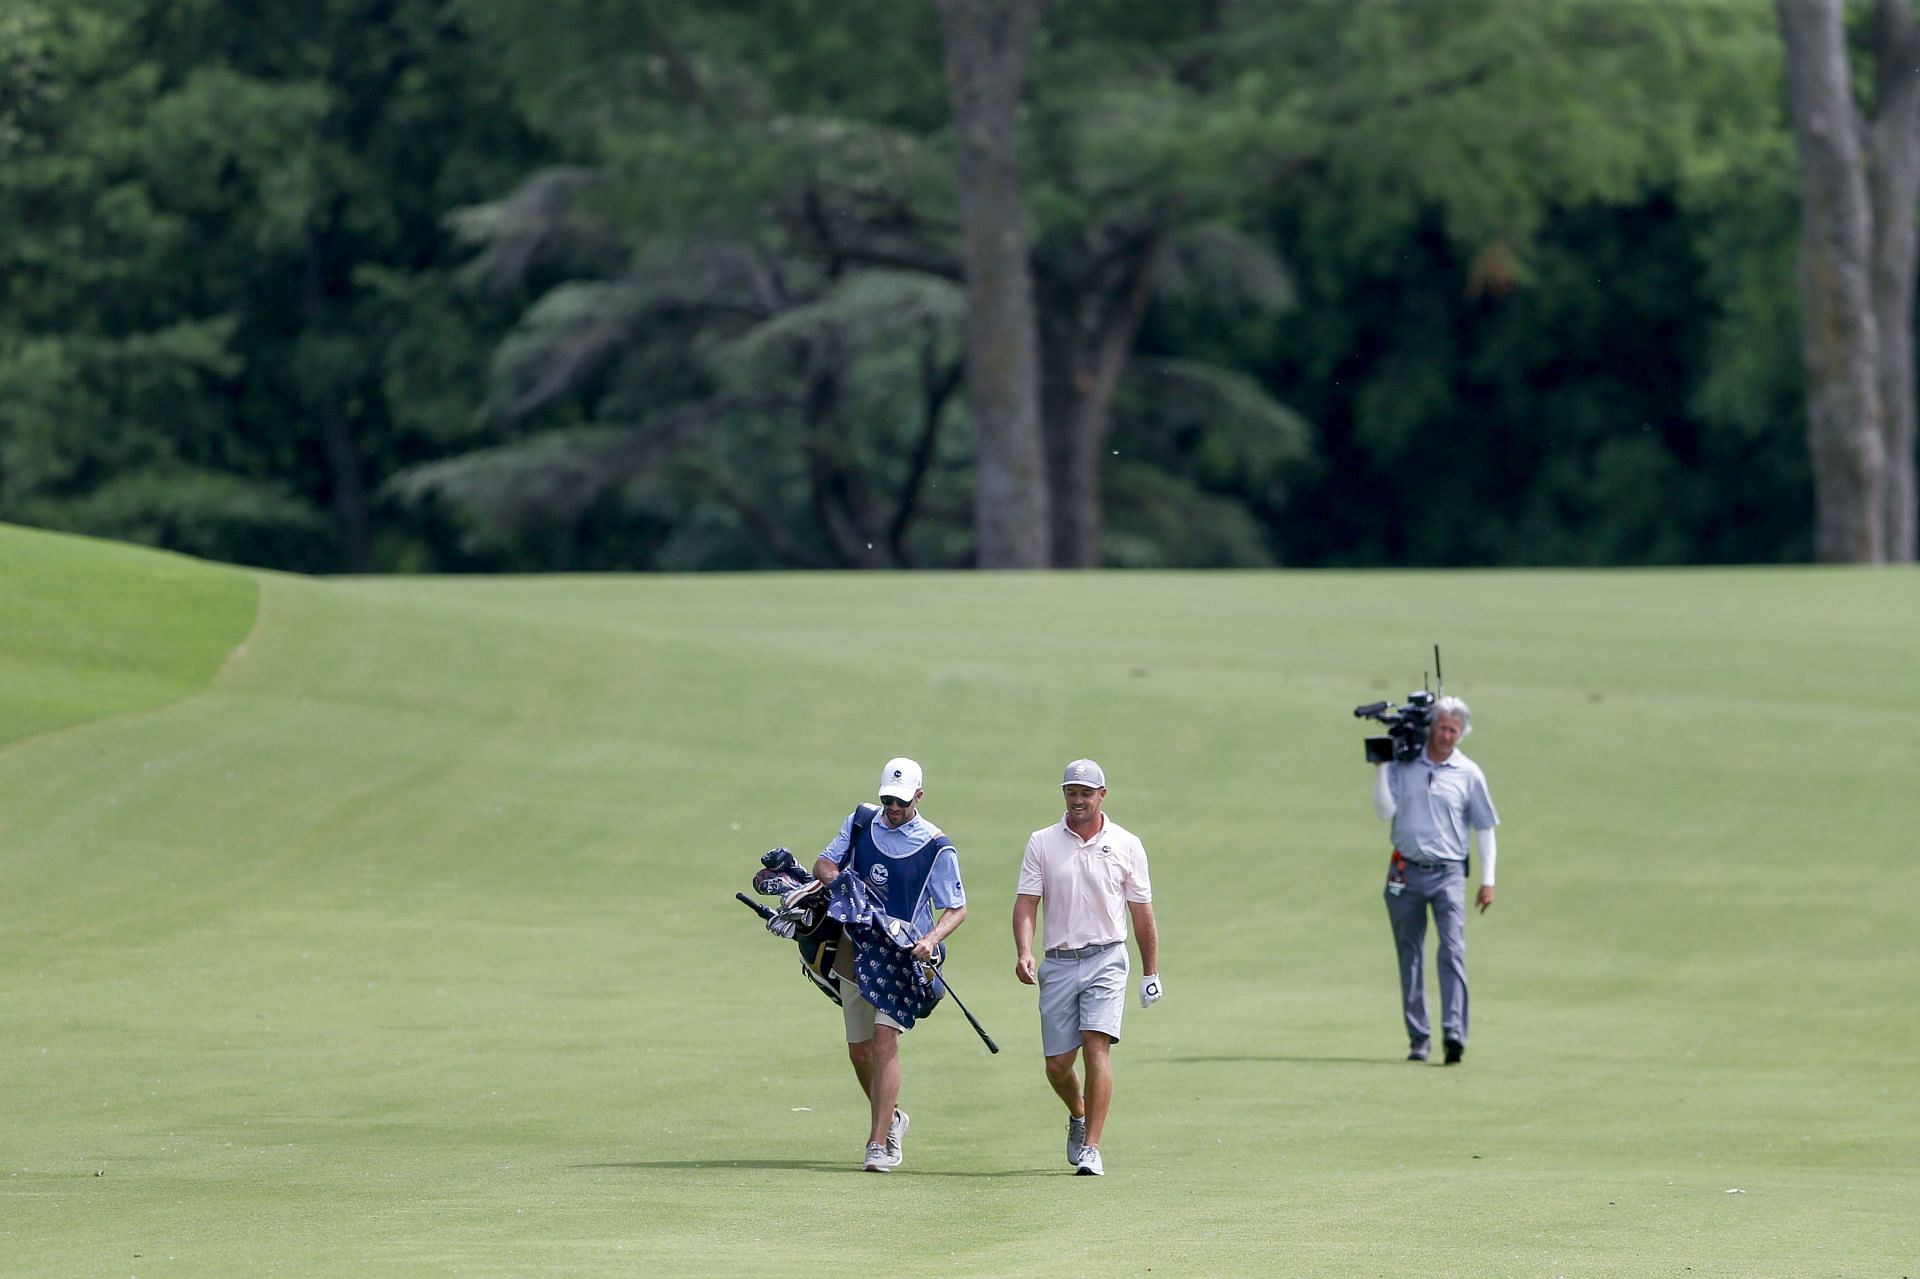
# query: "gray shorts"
1081,994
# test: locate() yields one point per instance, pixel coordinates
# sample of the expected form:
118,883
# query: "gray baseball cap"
1084,772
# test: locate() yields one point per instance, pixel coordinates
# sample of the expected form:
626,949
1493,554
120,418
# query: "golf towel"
883,963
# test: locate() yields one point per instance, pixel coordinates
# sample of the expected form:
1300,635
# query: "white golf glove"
1150,990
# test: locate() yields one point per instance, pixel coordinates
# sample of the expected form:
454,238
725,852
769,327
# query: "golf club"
985,1038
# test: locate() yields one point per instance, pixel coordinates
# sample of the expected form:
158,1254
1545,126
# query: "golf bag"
804,921
890,978
820,920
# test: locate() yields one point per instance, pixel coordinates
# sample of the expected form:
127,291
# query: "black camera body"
1407,727
1407,724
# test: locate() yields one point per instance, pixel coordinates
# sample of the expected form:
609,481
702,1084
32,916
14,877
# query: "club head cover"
778,881
798,895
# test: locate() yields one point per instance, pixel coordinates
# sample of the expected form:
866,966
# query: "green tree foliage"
1546,291
224,295
823,142
1356,282
1436,172
751,411
26,73
1553,424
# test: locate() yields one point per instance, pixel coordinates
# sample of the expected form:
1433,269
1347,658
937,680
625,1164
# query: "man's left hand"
1484,898
1150,990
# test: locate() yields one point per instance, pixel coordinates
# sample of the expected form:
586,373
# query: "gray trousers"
1444,891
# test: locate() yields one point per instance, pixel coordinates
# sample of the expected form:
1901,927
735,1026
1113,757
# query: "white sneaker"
1076,1139
878,1160
1089,1163
897,1135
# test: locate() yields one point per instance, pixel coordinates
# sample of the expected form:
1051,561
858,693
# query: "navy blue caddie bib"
901,882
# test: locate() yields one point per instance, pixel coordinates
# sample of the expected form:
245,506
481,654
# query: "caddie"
906,865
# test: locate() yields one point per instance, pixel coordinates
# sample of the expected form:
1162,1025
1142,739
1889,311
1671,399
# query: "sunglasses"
894,801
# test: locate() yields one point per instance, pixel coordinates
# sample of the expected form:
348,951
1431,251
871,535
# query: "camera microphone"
1370,710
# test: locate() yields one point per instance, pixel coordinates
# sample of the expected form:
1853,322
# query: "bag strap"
862,826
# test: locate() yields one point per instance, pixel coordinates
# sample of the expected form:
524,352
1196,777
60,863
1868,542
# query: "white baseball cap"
1084,772
900,778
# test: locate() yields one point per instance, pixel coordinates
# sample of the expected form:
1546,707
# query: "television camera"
1407,724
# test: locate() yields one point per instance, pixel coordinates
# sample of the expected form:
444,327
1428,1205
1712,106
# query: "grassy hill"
386,926
91,628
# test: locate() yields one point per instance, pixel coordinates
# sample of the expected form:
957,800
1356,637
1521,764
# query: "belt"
1433,865
1080,952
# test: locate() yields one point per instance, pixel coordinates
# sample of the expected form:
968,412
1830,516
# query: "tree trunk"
1839,342
987,42
339,442
837,501
1075,427
1090,326
938,381
1893,147
348,466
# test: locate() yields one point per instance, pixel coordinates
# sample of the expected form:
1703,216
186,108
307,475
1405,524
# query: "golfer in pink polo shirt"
1091,873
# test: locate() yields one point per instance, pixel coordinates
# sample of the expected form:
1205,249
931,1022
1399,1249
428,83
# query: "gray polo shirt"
1437,805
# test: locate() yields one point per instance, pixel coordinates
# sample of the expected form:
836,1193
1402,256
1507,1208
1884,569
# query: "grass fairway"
91,628
405,944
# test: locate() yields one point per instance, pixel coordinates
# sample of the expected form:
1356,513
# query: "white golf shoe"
1089,1163
1076,1139
878,1160
897,1136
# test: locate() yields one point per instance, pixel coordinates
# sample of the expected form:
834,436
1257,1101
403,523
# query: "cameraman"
1434,801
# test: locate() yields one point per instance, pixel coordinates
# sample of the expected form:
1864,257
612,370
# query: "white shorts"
861,1016
1082,994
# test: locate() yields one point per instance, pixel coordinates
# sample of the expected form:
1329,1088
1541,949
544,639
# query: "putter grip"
753,905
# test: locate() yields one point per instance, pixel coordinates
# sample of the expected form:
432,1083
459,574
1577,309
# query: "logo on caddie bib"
878,877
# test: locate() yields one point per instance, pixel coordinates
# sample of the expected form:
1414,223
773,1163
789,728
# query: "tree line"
480,285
